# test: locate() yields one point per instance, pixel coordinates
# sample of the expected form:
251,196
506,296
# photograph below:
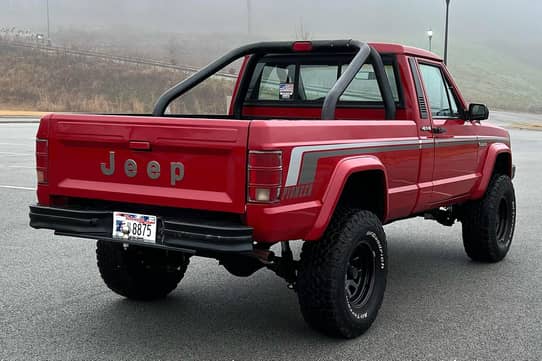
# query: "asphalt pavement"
438,305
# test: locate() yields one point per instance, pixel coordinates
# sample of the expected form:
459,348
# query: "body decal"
304,159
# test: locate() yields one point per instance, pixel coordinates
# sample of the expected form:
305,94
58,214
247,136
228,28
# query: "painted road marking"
11,154
29,144
4,166
15,153
17,187
21,166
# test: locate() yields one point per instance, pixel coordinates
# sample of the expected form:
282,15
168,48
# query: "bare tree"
300,32
173,50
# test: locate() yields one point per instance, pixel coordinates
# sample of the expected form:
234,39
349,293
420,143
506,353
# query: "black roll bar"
287,47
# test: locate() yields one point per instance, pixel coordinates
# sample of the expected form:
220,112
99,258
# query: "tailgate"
174,162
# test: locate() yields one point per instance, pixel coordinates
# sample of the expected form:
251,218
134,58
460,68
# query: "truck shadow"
224,315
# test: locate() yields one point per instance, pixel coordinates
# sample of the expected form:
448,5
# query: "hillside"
498,78
35,80
503,79
503,75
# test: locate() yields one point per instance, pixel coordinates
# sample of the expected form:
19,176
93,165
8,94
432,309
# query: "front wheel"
342,277
140,273
488,223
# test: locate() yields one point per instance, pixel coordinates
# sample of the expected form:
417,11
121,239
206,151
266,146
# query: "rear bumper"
191,236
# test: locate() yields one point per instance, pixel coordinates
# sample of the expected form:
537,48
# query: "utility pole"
249,18
48,24
446,34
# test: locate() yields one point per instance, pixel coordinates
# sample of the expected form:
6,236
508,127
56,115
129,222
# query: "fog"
495,47
510,22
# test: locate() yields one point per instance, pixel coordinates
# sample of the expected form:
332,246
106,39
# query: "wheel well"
365,190
503,164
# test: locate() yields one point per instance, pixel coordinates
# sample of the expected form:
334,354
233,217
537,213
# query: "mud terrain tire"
342,277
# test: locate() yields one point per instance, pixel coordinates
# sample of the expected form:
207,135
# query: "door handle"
438,130
435,130
139,145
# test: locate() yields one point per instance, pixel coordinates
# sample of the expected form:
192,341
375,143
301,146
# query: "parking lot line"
15,154
17,187
29,144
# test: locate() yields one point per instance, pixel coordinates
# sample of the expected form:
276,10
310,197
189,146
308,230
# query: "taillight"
42,160
302,46
264,176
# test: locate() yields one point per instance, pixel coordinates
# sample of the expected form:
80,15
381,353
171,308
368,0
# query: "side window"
441,100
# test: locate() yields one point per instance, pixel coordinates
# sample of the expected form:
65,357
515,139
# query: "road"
438,304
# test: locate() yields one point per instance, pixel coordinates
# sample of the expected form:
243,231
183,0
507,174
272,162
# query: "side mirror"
477,112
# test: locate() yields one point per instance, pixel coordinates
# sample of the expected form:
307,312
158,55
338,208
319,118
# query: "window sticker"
286,90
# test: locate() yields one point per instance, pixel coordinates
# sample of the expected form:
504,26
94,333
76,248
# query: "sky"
508,21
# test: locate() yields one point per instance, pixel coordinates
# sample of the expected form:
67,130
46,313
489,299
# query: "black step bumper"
187,235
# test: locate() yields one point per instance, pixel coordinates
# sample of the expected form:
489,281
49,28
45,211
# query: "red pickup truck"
324,142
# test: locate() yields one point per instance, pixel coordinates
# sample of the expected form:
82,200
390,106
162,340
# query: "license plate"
134,227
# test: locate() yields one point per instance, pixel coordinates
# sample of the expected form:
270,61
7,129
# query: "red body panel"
422,170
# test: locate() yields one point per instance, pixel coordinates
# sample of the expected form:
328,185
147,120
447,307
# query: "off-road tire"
140,273
325,265
488,223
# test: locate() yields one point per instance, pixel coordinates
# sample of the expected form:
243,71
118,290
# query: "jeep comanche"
323,143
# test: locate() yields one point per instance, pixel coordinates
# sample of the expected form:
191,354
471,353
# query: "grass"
32,80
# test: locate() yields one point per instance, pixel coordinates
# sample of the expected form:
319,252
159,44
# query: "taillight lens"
264,176
302,46
42,160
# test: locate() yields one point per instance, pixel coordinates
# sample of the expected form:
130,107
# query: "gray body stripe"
449,142
298,152
306,170
310,161
494,139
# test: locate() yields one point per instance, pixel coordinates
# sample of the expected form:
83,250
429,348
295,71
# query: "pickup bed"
324,142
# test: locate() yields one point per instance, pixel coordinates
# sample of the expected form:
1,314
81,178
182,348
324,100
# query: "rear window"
271,78
309,81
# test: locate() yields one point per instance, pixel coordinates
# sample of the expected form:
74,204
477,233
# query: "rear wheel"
140,273
488,223
342,277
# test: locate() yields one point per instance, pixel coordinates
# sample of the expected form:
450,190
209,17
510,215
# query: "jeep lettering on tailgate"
153,169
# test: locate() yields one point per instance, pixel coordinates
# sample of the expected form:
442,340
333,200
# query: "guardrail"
105,56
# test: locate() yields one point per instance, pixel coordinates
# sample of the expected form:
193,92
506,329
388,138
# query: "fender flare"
493,152
344,169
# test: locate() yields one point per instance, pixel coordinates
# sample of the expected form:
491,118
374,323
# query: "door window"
440,96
